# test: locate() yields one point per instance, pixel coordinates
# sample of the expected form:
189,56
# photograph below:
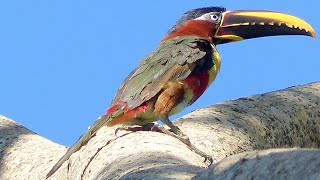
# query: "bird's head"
221,26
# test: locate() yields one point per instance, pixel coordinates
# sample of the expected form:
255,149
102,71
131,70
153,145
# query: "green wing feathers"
174,59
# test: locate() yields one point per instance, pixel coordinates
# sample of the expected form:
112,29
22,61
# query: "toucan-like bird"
183,66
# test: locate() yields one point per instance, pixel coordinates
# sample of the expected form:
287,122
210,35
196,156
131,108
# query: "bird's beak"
240,25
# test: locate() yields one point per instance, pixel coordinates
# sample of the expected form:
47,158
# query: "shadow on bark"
145,165
10,132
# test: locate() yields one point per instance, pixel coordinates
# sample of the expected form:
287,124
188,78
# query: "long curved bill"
240,25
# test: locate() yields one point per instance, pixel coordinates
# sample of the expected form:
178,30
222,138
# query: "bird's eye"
214,17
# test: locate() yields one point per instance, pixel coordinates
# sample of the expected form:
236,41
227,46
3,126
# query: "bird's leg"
178,133
183,138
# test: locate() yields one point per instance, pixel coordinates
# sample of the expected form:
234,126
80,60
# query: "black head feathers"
195,13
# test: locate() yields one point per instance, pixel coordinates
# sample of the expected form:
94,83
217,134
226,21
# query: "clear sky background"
62,61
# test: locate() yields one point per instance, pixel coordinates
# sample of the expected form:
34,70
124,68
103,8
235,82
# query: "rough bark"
267,164
238,129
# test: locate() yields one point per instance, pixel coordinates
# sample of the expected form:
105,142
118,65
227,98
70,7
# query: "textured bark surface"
24,154
267,164
237,129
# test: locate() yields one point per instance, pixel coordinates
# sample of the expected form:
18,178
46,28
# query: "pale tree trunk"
241,135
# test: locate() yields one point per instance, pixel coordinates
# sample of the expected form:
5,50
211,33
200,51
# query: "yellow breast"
217,63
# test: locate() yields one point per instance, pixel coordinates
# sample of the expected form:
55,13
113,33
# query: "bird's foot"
147,127
174,132
185,139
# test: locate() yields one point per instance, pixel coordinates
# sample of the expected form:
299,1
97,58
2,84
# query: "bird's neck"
199,28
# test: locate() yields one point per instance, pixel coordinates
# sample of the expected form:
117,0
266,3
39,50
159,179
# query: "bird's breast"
196,83
217,64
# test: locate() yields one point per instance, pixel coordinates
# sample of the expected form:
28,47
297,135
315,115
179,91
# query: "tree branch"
281,119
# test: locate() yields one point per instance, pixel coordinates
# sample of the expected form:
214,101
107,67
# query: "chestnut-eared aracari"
185,63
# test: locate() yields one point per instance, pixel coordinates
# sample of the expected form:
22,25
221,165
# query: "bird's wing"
174,59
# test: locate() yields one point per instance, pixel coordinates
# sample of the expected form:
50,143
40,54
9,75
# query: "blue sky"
62,61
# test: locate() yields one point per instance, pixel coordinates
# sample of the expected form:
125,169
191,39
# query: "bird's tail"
114,115
101,121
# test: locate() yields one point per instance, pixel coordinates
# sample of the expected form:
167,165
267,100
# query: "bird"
183,66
